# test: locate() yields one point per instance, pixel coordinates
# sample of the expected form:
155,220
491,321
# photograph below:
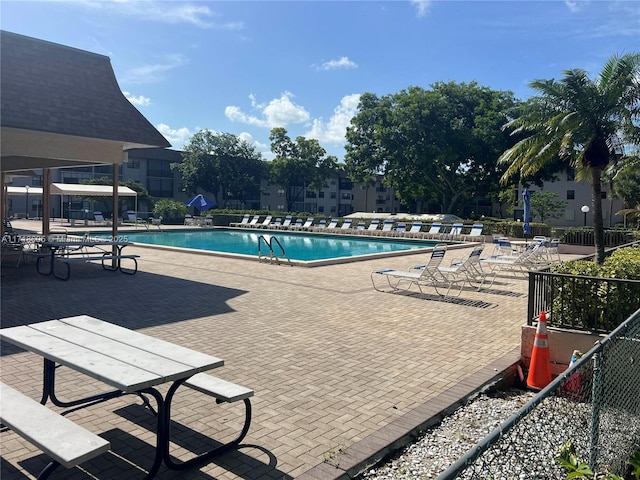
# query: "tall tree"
584,122
544,205
299,165
221,163
437,148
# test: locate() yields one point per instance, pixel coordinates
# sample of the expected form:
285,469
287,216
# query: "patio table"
65,251
129,361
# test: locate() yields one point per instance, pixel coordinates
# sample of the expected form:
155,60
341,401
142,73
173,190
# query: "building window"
320,208
603,195
160,187
571,176
320,194
159,168
345,196
133,164
333,194
333,209
571,194
311,194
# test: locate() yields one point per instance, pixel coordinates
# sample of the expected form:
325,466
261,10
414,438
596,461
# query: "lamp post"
26,187
585,210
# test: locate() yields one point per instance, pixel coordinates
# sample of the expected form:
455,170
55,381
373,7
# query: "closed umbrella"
526,199
201,202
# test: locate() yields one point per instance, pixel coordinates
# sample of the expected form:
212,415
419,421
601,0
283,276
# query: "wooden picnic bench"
65,442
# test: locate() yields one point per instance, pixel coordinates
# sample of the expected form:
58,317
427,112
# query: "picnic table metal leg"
162,431
206,457
48,390
48,470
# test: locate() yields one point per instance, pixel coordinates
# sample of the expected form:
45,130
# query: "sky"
245,67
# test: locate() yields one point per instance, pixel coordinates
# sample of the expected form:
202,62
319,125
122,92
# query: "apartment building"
339,197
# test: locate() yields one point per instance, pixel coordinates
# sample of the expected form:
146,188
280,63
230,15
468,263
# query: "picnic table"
129,362
85,249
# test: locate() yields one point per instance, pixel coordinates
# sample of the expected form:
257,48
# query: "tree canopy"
220,163
303,163
584,122
437,148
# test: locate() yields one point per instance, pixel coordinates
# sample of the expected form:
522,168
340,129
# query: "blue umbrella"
201,202
526,198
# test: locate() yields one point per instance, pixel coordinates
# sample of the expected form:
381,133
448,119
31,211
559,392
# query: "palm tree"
584,122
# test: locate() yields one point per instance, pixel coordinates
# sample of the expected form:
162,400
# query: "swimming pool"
298,247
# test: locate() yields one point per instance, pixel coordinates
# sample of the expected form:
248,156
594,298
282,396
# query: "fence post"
596,399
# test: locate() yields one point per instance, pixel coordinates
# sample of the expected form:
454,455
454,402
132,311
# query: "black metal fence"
582,303
594,405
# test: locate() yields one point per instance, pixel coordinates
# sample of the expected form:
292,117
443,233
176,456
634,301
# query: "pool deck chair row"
375,227
459,272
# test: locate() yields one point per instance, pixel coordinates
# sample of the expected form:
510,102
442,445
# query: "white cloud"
279,112
177,137
572,5
334,131
247,137
194,13
154,72
342,62
422,6
139,101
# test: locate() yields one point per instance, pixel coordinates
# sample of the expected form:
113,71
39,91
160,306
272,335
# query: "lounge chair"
266,222
208,221
99,218
455,232
387,227
401,280
132,218
287,222
475,233
400,229
373,226
12,248
531,258
244,221
333,224
416,228
297,225
276,224
322,225
307,225
346,225
189,220
253,223
470,268
360,227
434,231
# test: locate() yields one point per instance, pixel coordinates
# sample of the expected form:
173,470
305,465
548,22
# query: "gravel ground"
442,445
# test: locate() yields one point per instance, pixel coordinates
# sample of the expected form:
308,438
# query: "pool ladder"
269,241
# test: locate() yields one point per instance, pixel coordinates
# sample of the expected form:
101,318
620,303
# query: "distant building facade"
340,196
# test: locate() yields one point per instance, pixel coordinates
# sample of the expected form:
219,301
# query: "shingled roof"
50,89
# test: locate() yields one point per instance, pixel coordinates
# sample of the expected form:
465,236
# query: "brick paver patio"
339,369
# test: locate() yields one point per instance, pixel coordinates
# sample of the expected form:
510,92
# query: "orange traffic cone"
540,367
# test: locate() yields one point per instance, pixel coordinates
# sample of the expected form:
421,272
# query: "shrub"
598,304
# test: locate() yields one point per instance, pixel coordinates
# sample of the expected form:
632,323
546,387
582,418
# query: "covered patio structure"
62,107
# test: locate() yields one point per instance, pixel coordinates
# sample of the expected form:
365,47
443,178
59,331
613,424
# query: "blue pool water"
297,246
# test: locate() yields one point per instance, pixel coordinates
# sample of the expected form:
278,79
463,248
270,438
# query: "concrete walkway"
341,372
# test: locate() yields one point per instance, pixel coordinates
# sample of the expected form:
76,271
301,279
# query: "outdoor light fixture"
585,210
26,187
